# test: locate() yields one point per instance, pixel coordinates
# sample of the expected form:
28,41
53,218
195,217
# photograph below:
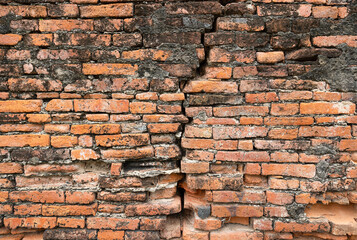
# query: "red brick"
117,154
127,40
156,207
47,168
237,211
28,209
142,107
253,197
276,212
70,222
194,167
84,154
279,198
240,110
101,105
218,72
80,197
331,41
32,84
325,12
322,226
295,95
211,87
6,168
130,140
348,145
294,170
24,11
242,156
317,131
10,39
69,210
327,108
288,121
30,222
284,157
224,56
112,223
284,108
107,10
263,224
36,196
63,10
239,132
246,71
261,97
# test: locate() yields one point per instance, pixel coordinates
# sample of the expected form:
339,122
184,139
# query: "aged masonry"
193,120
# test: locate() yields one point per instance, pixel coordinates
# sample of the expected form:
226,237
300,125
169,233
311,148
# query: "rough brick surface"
178,119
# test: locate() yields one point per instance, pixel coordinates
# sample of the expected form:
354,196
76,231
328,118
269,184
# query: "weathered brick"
107,10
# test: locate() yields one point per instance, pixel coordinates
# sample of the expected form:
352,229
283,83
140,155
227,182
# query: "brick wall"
191,120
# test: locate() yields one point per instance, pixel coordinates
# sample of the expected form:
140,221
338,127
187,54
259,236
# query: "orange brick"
222,55
63,141
317,131
101,105
327,108
112,223
59,105
283,133
294,170
108,10
324,12
142,107
171,97
80,197
21,106
69,210
54,25
84,154
164,127
147,54
70,222
284,108
110,235
6,168
24,140
270,57
30,222
33,84
10,39
237,211
279,198
218,72
261,97
31,11
211,87
332,41
38,118
96,129
109,69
